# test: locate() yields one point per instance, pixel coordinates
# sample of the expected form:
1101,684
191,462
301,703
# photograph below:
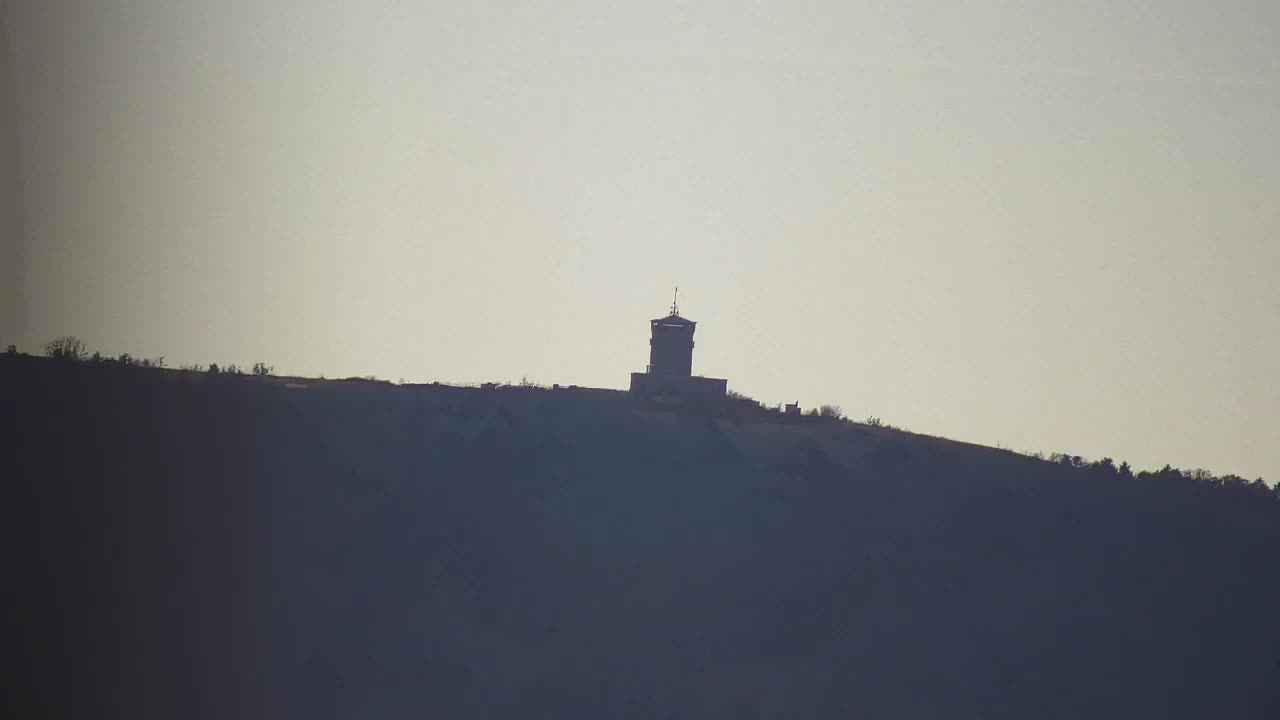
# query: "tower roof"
675,320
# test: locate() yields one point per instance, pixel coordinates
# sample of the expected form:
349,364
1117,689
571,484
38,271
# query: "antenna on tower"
675,309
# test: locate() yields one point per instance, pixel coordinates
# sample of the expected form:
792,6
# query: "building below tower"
654,385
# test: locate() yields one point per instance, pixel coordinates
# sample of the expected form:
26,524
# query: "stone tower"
670,372
671,344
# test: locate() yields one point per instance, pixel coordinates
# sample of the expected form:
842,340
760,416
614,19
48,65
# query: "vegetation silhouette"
66,347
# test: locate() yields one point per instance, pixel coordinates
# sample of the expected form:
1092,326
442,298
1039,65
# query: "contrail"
945,66
1152,75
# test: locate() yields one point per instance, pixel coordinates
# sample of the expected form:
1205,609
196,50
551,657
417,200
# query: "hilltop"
190,545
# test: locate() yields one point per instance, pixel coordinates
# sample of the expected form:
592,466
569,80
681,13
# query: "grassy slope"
191,546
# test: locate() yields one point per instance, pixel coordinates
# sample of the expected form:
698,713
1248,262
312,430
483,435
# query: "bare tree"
67,347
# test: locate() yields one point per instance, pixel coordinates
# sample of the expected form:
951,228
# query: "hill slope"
194,546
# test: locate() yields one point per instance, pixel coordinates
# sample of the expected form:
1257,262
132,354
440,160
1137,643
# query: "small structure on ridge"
670,369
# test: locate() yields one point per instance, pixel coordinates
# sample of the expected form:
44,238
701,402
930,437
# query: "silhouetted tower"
671,343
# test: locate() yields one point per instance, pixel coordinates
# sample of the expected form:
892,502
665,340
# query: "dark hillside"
184,545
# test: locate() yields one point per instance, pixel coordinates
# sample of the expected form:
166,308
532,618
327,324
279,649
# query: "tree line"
1107,467
69,347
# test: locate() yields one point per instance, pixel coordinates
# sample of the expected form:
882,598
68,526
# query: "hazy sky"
1049,225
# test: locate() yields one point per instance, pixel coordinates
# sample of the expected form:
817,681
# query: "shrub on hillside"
831,411
67,347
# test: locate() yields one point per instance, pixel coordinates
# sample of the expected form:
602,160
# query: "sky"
1040,225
